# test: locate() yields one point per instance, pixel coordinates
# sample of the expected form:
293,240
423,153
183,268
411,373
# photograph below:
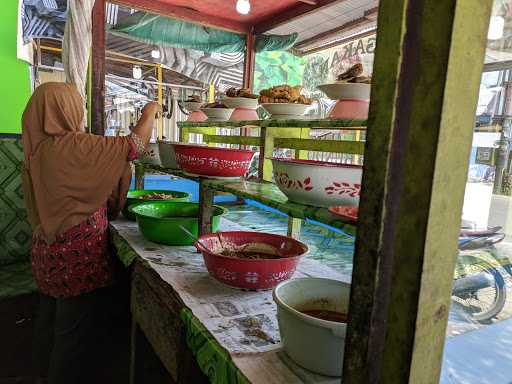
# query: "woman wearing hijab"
73,183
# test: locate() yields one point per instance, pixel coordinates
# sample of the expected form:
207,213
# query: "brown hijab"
68,175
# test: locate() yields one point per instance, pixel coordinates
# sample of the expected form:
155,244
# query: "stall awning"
161,30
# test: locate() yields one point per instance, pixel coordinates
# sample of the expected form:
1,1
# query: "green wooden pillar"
294,225
184,135
426,77
268,135
206,197
139,175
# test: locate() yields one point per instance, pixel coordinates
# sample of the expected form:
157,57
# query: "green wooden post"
206,196
184,134
427,71
294,225
139,175
268,137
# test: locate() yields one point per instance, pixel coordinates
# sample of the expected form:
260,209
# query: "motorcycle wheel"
486,303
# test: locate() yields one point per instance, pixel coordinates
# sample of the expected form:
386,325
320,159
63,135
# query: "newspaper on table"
241,321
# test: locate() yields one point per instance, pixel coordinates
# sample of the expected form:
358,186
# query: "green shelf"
269,194
272,123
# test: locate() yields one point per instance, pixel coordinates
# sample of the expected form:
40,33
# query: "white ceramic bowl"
313,343
217,114
154,156
192,106
318,183
167,154
240,102
344,91
285,110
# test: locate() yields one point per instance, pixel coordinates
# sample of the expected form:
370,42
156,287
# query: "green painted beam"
335,146
243,140
426,76
298,123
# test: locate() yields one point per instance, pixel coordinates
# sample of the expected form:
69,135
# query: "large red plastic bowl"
247,273
210,161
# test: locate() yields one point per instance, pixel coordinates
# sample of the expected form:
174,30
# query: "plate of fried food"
217,111
284,101
240,98
349,85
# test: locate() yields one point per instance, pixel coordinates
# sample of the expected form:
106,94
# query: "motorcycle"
479,283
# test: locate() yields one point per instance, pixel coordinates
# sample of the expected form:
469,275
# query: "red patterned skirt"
79,261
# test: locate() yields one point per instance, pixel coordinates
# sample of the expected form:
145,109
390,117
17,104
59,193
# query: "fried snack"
353,72
353,75
362,80
247,93
283,93
242,92
232,92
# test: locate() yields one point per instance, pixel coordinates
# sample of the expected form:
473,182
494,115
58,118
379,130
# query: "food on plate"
248,255
353,75
283,94
253,251
324,314
215,105
194,99
241,92
156,196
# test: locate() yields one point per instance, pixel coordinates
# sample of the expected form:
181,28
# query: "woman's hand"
145,124
152,109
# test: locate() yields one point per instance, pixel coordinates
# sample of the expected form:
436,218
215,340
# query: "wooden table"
173,303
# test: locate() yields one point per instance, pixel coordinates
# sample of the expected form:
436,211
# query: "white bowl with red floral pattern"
318,183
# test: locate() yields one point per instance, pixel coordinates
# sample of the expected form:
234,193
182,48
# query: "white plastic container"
318,183
313,343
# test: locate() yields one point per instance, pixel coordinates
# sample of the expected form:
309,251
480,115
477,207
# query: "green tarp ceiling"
161,30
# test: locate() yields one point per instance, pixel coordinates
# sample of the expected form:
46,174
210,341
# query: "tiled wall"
15,233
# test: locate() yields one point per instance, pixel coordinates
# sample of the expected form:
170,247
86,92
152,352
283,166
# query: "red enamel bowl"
251,274
211,161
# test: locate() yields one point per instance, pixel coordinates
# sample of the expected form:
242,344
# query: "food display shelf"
276,123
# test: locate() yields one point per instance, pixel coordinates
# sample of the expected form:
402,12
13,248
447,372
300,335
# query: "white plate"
343,91
240,102
285,110
217,114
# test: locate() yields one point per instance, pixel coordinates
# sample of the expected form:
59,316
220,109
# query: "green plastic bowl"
133,197
160,221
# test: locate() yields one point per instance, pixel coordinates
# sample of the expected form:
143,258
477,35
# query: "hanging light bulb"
243,6
155,54
496,26
137,72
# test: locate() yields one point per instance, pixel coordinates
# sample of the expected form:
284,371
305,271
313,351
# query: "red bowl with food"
211,161
250,260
